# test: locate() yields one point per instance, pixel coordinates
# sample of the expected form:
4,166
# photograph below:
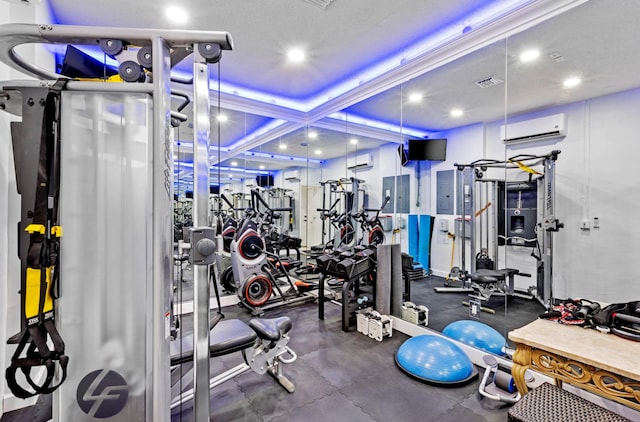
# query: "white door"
311,227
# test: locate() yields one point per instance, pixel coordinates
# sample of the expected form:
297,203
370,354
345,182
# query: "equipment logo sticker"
102,393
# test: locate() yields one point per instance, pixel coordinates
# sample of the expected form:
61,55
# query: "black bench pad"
548,403
492,276
228,336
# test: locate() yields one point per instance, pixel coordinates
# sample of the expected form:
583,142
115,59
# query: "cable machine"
115,196
506,212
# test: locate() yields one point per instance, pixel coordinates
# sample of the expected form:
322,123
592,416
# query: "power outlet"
585,224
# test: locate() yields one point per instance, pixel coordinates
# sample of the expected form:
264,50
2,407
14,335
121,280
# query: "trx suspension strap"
42,269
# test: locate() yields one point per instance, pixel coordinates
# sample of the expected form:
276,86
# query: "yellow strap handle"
40,228
56,231
32,293
35,228
523,167
483,209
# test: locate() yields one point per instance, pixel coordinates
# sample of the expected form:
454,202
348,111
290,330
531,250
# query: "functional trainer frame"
547,223
130,353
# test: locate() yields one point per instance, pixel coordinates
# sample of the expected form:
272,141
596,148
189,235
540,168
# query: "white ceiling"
349,39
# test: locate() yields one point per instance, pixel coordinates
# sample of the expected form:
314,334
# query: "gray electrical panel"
444,192
403,184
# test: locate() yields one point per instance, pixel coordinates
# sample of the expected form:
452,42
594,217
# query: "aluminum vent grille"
323,4
489,82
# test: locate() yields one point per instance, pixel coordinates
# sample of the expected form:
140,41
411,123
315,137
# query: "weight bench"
263,344
548,403
486,282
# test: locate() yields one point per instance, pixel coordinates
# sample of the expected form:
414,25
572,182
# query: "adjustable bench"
262,342
486,282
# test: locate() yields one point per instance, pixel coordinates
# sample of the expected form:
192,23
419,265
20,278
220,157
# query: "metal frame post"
201,116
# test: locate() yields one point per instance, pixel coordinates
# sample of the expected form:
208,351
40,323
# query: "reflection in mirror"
467,101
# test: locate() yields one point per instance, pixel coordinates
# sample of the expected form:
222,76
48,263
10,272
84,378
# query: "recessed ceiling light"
230,175
312,135
571,82
353,141
416,97
234,163
318,151
222,117
176,14
283,146
456,112
261,167
529,55
295,55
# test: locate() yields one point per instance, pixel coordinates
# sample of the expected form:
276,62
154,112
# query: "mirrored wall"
578,68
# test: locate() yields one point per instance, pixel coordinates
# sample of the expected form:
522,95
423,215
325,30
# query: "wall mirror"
493,86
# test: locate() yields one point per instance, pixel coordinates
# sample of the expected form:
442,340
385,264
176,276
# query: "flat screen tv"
427,149
403,155
264,181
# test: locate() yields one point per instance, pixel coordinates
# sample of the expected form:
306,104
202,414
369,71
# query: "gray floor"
346,376
339,377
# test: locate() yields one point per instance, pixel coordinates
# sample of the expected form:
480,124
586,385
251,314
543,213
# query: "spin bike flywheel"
257,290
251,245
376,236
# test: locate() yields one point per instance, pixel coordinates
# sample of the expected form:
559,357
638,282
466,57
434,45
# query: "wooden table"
604,364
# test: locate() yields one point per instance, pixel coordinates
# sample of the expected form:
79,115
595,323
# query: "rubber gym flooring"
346,376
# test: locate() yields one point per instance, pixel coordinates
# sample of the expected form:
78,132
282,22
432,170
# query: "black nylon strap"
43,253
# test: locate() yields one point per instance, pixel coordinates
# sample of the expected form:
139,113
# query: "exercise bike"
227,225
257,272
372,231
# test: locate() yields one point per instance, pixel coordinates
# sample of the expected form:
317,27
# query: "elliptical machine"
257,272
227,226
372,231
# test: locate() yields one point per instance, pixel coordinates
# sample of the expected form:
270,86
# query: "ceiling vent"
548,127
320,3
489,82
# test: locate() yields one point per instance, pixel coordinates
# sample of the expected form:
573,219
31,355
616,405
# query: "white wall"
596,176
13,12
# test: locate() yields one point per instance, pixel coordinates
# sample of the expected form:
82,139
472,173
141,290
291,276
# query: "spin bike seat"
271,329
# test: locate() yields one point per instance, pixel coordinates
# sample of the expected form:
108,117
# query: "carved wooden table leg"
521,362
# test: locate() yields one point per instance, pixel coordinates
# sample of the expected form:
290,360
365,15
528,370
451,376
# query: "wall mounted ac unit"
360,161
250,182
548,127
292,175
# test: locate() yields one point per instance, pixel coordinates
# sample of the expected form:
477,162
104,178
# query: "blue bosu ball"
435,360
476,334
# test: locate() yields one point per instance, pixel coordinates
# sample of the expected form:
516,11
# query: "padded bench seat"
228,336
548,403
483,276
